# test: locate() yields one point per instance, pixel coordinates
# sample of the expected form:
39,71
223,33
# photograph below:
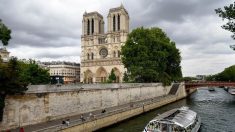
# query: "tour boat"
176,120
211,89
231,91
226,88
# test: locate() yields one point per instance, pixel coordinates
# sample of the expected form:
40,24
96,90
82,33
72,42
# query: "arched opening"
92,26
88,27
114,54
117,74
118,22
92,56
100,26
101,75
88,77
114,23
88,56
119,53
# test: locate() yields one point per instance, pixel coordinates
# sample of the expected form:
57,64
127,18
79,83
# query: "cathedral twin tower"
101,52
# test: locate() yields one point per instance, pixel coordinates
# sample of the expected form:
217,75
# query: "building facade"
4,54
70,72
101,52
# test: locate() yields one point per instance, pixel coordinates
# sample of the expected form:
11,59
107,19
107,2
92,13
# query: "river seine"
216,108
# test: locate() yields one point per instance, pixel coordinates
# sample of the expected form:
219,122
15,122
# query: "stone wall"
99,123
44,102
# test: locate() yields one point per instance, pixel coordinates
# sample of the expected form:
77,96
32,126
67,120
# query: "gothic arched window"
119,53
88,56
92,56
114,23
92,26
114,54
100,26
88,27
118,22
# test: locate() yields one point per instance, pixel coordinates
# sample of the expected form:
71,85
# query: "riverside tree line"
149,55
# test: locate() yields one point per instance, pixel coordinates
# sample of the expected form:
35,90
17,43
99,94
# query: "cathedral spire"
85,13
121,5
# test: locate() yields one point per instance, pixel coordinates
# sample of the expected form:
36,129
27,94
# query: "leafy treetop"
227,75
150,56
5,33
228,13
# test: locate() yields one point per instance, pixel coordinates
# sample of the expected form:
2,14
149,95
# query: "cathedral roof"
118,8
3,50
92,14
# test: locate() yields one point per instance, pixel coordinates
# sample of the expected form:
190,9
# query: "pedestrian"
103,111
92,116
21,129
82,118
63,122
67,122
143,106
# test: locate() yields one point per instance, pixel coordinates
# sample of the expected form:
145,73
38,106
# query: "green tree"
125,77
112,77
150,56
5,33
228,13
188,79
31,73
10,83
228,74
8,72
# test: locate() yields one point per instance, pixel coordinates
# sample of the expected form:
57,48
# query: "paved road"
75,120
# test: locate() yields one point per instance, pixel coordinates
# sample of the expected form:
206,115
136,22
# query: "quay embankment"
44,107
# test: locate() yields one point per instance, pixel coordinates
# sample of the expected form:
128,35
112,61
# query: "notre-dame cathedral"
101,52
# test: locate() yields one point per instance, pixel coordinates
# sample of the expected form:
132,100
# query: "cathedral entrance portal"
88,77
101,75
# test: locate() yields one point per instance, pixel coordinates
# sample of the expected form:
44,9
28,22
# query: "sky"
50,30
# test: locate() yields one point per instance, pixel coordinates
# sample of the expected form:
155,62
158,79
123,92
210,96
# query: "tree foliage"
125,77
9,81
112,77
188,79
150,56
31,73
5,33
15,76
228,13
227,75
10,78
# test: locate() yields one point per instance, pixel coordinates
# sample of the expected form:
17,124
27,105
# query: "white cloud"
51,30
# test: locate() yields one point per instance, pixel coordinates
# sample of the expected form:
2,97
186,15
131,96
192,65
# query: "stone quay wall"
124,114
43,103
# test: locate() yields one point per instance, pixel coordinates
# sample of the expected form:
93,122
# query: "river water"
217,110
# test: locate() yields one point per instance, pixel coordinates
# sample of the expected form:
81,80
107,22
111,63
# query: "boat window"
178,129
153,127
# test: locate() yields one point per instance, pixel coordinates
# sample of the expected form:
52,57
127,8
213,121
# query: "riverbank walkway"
57,125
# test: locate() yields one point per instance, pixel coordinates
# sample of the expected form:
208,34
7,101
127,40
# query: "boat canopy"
185,118
182,117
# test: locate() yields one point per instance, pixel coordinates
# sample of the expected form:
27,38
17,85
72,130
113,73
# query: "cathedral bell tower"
118,24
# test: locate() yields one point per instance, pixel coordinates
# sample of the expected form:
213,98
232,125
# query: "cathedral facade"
101,52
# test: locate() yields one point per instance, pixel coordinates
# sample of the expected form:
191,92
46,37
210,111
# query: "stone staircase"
174,88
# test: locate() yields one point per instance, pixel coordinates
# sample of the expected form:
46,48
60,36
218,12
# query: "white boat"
176,120
231,91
